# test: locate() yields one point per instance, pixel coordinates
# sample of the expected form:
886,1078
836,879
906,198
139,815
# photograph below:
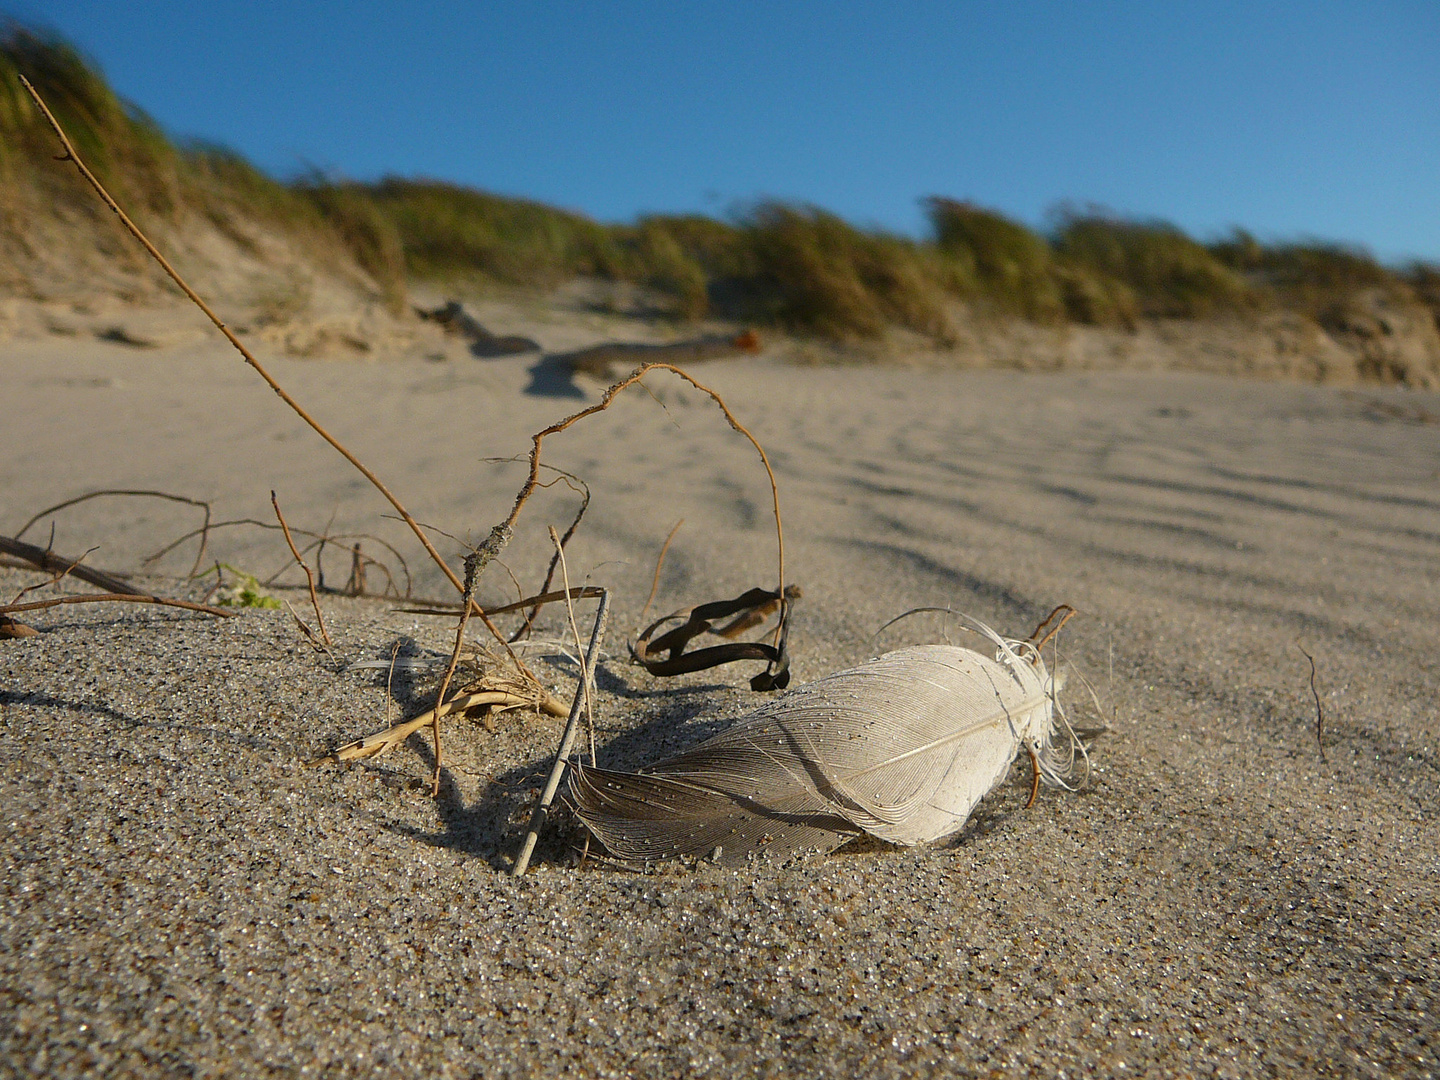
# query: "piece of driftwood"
600,360
456,320
901,748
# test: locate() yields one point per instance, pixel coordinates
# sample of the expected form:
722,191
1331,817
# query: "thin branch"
504,529
203,532
559,551
45,559
567,740
58,577
659,562
134,230
116,598
309,577
579,645
383,741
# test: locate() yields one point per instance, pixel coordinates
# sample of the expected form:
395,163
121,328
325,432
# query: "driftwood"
456,320
598,360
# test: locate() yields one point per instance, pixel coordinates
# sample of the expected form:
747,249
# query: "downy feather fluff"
902,748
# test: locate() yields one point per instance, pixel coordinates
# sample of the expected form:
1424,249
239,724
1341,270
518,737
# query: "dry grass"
797,267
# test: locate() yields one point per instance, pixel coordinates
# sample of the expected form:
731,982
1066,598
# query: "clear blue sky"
1291,119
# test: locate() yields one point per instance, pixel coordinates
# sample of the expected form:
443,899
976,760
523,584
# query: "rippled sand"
181,896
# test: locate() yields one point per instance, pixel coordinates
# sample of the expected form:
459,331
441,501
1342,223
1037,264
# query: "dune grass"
797,267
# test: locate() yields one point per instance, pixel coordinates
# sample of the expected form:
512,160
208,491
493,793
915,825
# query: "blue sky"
1290,119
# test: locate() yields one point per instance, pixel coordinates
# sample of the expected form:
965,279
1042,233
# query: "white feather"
902,748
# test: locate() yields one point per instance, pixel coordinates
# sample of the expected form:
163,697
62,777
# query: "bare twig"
134,230
309,577
384,741
116,598
1048,630
579,645
570,532
584,592
45,559
203,532
58,577
532,481
567,740
319,645
313,536
659,562
1319,709
356,585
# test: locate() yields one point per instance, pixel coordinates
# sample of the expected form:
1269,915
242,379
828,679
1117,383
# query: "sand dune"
181,896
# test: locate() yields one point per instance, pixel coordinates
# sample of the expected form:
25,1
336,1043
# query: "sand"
181,896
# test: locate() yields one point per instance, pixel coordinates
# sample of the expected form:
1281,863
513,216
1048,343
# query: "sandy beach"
182,896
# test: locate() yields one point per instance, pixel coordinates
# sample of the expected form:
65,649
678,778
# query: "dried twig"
60,575
45,559
304,628
203,532
309,577
355,586
533,481
383,742
134,230
571,480
659,562
116,598
567,740
584,592
317,538
1064,613
579,645
1319,709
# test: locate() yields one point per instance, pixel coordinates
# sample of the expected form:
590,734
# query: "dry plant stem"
45,559
525,627
1069,613
134,230
390,682
634,377
579,645
204,530
1319,709
301,625
567,741
59,576
584,592
309,577
382,742
659,562
467,595
116,598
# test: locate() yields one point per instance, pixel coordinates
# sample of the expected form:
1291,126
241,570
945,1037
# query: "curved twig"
203,532
533,480
116,598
